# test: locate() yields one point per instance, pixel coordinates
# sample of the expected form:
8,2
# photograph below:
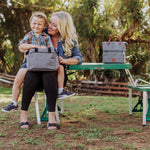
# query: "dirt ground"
90,130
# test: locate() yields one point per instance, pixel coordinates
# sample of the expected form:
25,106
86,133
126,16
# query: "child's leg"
60,78
16,90
17,84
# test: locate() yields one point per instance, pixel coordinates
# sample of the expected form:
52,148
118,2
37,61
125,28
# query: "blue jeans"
24,65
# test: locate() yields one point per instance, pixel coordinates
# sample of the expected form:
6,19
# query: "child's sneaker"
10,107
65,94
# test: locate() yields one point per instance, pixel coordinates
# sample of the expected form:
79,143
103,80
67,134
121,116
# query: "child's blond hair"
39,15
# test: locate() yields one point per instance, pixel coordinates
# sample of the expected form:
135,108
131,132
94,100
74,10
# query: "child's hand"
42,46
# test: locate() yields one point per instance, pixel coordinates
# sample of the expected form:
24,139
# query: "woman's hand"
61,60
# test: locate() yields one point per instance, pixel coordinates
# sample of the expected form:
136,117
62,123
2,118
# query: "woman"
63,36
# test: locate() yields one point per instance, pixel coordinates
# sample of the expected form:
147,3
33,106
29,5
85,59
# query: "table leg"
37,109
130,101
57,114
62,107
130,78
144,107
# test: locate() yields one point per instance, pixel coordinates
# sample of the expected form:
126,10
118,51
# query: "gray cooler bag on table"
114,52
42,59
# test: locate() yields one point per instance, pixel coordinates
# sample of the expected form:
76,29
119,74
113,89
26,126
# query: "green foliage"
95,20
130,11
14,24
92,29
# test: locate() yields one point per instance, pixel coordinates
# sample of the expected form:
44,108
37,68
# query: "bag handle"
112,36
49,49
55,49
36,49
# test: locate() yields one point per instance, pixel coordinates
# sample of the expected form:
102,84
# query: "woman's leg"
23,119
32,79
50,88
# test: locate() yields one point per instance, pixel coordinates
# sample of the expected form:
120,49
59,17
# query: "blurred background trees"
95,20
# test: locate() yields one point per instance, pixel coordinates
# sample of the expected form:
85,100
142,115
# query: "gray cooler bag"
42,59
114,52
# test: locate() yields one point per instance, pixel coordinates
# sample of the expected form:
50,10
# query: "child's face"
37,25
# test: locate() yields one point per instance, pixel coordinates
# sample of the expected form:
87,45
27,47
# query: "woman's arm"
68,61
76,58
76,54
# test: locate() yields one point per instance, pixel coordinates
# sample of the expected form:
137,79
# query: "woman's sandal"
24,123
53,125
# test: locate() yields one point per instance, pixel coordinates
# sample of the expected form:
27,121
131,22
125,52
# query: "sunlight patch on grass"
99,103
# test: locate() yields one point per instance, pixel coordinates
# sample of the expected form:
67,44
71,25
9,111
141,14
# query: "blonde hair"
67,31
39,15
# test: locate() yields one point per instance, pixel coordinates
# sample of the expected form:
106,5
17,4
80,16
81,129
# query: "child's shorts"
24,65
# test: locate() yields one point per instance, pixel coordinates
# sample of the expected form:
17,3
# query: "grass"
5,91
88,123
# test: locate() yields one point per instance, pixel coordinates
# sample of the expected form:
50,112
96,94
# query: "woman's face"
52,26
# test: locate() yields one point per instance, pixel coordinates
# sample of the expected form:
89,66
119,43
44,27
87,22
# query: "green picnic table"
91,66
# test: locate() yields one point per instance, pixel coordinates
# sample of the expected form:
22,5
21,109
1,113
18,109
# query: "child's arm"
25,47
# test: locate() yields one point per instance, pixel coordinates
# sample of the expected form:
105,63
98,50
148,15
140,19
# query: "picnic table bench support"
45,112
148,111
139,106
130,101
146,108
